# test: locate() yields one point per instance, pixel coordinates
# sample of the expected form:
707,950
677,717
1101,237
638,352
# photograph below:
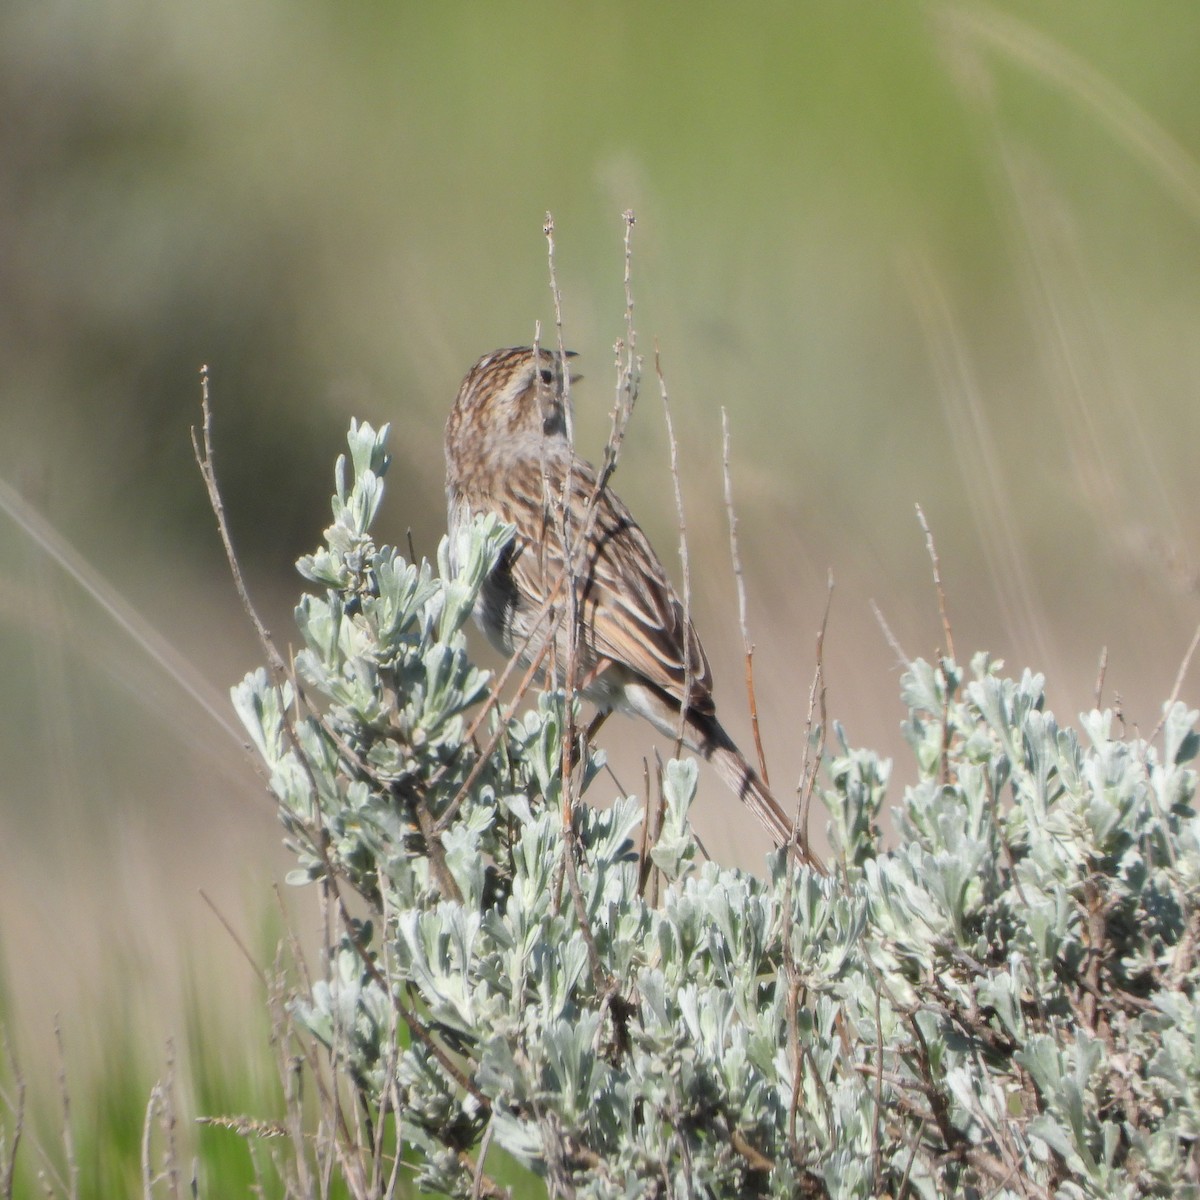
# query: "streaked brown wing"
628,608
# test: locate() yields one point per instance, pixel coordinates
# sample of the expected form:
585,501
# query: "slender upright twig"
816,703
683,551
8,1169
485,1144
202,447
1180,675
259,972
889,636
937,581
575,543
68,1135
987,490
808,775
567,754
645,841
741,594
1101,671
535,665
560,343
147,1132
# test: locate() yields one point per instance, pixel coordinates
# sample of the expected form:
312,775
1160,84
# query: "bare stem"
747,645
237,941
8,1169
1179,678
127,618
937,580
683,552
1101,671
548,230
816,707
68,1136
203,450
565,514
889,636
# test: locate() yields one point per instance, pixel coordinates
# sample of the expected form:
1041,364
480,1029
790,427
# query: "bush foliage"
1002,1005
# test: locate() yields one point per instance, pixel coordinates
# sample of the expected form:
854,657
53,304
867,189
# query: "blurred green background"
939,253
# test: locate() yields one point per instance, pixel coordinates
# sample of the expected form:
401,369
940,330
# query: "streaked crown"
511,405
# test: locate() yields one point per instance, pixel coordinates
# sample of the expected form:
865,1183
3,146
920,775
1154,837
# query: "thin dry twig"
877,1116
281,671
741,594
348,1113
575,543
17,1108
572,598
628,383
289,1066
485,1144
203,450
905,1181
237,941
548,230
1101,671
173,1173
653,814
937,581
571,542
631,361
975,450
68,1137
816,698
147,1130
627,387
811,765
683,549
891,639
644,864
389,1097
523,687
133,623
755,1159
497,688
1180,675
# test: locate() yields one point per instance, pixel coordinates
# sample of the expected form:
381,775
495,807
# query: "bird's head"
511,405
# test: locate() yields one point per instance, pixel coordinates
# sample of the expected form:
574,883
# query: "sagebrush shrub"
1003,1004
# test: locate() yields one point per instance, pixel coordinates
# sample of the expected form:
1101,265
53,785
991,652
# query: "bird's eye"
547,375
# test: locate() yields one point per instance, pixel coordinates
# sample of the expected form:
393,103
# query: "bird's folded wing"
628,608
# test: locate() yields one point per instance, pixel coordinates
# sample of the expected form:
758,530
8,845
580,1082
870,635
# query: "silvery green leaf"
519,1138
368,448
676,847
1180,741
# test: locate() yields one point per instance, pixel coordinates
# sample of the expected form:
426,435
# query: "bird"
509,453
